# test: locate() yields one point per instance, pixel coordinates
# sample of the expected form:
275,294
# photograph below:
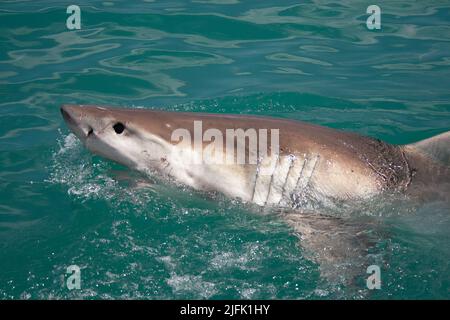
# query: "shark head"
132,139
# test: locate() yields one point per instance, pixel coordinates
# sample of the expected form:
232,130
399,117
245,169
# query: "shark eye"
119,127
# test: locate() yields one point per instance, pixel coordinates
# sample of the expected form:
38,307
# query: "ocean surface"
133,238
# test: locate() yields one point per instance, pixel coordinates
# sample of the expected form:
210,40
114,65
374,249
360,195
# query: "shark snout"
67,115
74,119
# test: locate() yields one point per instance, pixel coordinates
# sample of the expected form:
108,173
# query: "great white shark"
312,163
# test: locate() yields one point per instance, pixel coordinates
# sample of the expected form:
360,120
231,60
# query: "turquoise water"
134,238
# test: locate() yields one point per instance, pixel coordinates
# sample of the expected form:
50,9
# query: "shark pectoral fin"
132,179
437,147
338,245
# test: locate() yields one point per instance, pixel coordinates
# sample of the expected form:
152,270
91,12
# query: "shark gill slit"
289,192
305,163
409,172
313,169
306,174
283,189
271,178
260,184
258,163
